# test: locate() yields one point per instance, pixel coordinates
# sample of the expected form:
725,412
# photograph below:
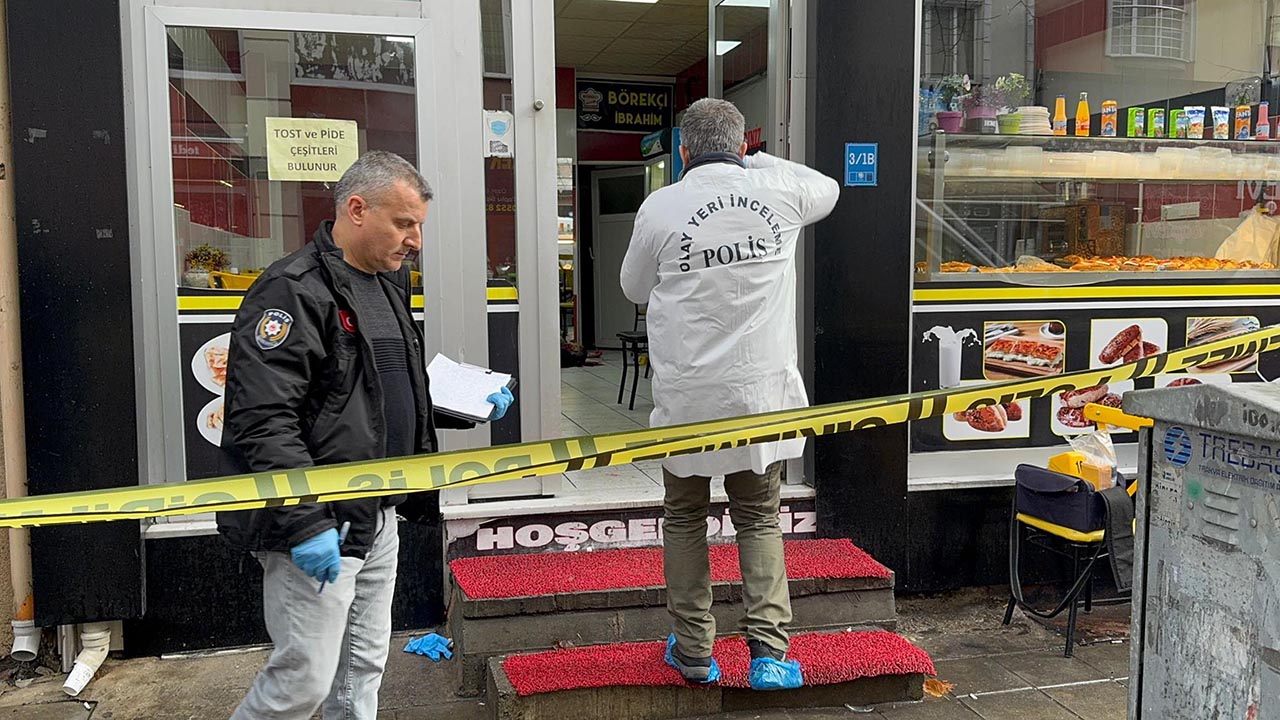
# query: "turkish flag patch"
348,321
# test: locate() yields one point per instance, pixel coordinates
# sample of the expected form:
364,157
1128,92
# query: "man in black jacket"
326,366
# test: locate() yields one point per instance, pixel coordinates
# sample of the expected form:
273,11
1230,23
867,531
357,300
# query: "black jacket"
302,390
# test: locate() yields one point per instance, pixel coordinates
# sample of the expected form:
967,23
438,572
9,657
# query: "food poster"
1011,420
203,367
971,347
1025,349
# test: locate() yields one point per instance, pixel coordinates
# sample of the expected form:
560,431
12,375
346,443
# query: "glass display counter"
1039,255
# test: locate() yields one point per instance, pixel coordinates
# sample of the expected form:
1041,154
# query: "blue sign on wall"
860,163
677,163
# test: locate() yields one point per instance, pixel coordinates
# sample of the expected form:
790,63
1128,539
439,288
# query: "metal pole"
12,431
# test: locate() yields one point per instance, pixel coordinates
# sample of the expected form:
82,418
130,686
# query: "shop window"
495,29
245,197
1150,29
949,39
1103,188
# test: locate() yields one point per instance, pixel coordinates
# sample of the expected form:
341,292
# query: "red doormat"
825,659
510,576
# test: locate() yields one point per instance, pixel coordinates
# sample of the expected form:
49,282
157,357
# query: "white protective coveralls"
713,255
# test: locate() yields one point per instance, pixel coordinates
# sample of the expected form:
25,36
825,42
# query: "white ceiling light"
398,38
745,3
724,46
649,2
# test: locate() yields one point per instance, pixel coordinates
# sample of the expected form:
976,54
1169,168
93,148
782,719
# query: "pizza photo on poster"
1125,340
1068,408
1202,330
1013,350
994,422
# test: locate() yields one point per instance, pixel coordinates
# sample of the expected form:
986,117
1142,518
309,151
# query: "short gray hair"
712,125
374,173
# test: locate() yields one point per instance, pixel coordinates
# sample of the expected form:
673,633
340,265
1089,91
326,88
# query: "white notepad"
460,389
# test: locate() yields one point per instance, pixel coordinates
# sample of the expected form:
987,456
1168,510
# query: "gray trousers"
753,507
329,648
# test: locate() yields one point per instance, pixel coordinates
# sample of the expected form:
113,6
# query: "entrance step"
632,682
509,604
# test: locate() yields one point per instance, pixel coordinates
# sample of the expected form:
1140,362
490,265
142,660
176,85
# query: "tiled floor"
589,406
589,399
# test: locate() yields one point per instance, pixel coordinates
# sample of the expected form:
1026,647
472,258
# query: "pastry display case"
1090,209
1043,255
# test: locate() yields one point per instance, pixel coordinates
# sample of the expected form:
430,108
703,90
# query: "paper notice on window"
460,390
310,149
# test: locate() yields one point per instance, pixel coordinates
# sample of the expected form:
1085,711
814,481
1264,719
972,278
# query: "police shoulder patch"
273,329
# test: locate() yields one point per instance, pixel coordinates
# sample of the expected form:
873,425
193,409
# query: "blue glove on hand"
433,646
318,556
501,401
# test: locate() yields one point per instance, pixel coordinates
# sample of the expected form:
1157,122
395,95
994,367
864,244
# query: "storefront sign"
308,149
573,532
860,164
623,107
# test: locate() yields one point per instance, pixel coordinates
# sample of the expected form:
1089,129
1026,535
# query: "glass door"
749,54
528,227
244,122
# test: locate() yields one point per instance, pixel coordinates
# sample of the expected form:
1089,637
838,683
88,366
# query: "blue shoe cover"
770,674
712,677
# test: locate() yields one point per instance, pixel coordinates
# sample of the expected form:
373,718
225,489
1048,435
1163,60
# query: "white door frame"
448,71
624,171
533,84
783,130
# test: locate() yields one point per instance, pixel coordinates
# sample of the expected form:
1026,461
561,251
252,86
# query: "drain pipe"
26,636
95,641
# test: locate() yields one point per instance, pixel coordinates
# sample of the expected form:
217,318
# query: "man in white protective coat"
713,256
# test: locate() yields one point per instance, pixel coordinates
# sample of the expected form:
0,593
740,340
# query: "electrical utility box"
1206,592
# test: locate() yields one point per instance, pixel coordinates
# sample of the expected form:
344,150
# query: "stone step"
632,682
521,603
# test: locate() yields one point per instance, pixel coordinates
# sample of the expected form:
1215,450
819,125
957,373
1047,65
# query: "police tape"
547,457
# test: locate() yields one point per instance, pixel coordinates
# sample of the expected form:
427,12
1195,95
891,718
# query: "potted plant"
949,90
202,260
981,106
1015,90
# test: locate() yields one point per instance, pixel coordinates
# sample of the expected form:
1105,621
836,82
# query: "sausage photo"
1122,344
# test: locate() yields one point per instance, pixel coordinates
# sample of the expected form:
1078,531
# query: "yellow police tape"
509,462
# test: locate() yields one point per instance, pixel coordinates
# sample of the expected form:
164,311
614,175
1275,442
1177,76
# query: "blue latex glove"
318,556
433,646
501,401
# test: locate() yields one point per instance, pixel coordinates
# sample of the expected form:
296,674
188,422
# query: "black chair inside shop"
1062,515
635,347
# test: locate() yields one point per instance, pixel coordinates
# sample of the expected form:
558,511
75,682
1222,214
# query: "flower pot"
196,278
982,120
950,121
1010,123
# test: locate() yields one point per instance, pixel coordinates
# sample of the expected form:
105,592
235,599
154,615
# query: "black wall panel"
77,318
862,90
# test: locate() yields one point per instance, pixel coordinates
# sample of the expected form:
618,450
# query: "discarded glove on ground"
433,646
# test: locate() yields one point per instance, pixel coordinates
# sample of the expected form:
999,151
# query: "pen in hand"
342,538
